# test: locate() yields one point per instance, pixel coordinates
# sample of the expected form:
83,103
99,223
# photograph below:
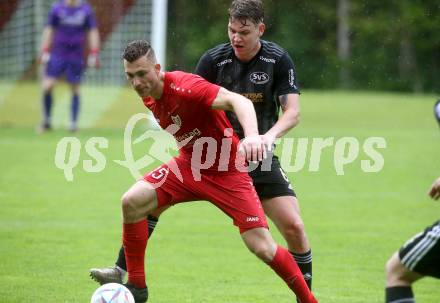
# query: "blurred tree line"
374,44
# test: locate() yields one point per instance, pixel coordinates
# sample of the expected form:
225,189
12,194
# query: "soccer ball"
112,293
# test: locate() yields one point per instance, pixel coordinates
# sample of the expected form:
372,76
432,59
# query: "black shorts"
270,180
421,254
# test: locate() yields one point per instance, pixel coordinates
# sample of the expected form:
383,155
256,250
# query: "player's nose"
136,82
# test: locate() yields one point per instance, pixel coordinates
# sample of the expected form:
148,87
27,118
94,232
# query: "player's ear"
261,29
157,67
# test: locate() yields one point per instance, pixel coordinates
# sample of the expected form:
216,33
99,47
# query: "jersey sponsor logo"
190,135
254,97
176,120
259,77
268,60
77,19
226,61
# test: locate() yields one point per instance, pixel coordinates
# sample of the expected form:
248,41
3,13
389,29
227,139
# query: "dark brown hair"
247,9
138,48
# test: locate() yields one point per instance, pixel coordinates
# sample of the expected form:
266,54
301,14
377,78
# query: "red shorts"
232,192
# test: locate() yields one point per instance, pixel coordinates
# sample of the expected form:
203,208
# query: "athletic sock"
304,262
47,107
152,222
134,238
285,267
399,294
74,109
120,262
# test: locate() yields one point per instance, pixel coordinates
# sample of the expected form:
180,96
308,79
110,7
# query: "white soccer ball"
112,293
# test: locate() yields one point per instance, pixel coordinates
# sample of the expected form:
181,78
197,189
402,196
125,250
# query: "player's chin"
143,92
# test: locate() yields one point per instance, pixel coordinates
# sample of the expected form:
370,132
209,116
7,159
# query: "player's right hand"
434,192
44,57
252,148
93,59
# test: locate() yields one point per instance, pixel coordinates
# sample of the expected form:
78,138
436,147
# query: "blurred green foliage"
394,45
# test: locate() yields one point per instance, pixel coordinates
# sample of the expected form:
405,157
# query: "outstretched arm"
434,192
244,110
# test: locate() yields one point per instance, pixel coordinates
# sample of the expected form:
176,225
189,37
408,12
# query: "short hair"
138,48
247,9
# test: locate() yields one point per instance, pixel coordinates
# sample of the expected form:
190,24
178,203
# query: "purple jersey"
70,25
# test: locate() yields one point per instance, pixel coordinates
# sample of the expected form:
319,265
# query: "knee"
295,229
264,250
47,89
128,205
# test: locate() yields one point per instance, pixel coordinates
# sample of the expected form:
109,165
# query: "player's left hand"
434,193
93,58
268,141
252,148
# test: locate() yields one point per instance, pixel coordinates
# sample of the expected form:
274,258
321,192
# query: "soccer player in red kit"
190,108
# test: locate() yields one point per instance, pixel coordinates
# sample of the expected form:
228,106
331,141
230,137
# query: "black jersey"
270,74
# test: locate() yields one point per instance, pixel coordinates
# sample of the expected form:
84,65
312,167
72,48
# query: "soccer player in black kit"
263,72
419,257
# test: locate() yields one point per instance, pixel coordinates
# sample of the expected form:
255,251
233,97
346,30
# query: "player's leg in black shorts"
421,254
270,181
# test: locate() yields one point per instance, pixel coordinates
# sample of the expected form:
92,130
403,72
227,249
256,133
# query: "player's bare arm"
434,192
289,119
46,43
94,45
251,145
93,39
46,40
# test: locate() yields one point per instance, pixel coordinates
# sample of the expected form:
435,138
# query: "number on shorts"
159,173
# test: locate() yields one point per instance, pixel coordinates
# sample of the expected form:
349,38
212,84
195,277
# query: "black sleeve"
205,68
286,81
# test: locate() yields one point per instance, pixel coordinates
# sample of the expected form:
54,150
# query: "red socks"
285,266
134,238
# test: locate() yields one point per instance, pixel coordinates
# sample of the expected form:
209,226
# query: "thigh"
282,210
235,195
421,254
272,183
74,71
55,67
171,188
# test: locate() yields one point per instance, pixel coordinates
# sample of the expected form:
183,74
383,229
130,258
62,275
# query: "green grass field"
52,231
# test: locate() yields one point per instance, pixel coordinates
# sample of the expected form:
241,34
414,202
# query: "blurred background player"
419,257
69,25
236,66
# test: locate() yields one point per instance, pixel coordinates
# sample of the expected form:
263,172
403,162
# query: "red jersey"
184,110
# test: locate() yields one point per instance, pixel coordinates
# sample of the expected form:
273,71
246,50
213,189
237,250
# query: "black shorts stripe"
424,245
